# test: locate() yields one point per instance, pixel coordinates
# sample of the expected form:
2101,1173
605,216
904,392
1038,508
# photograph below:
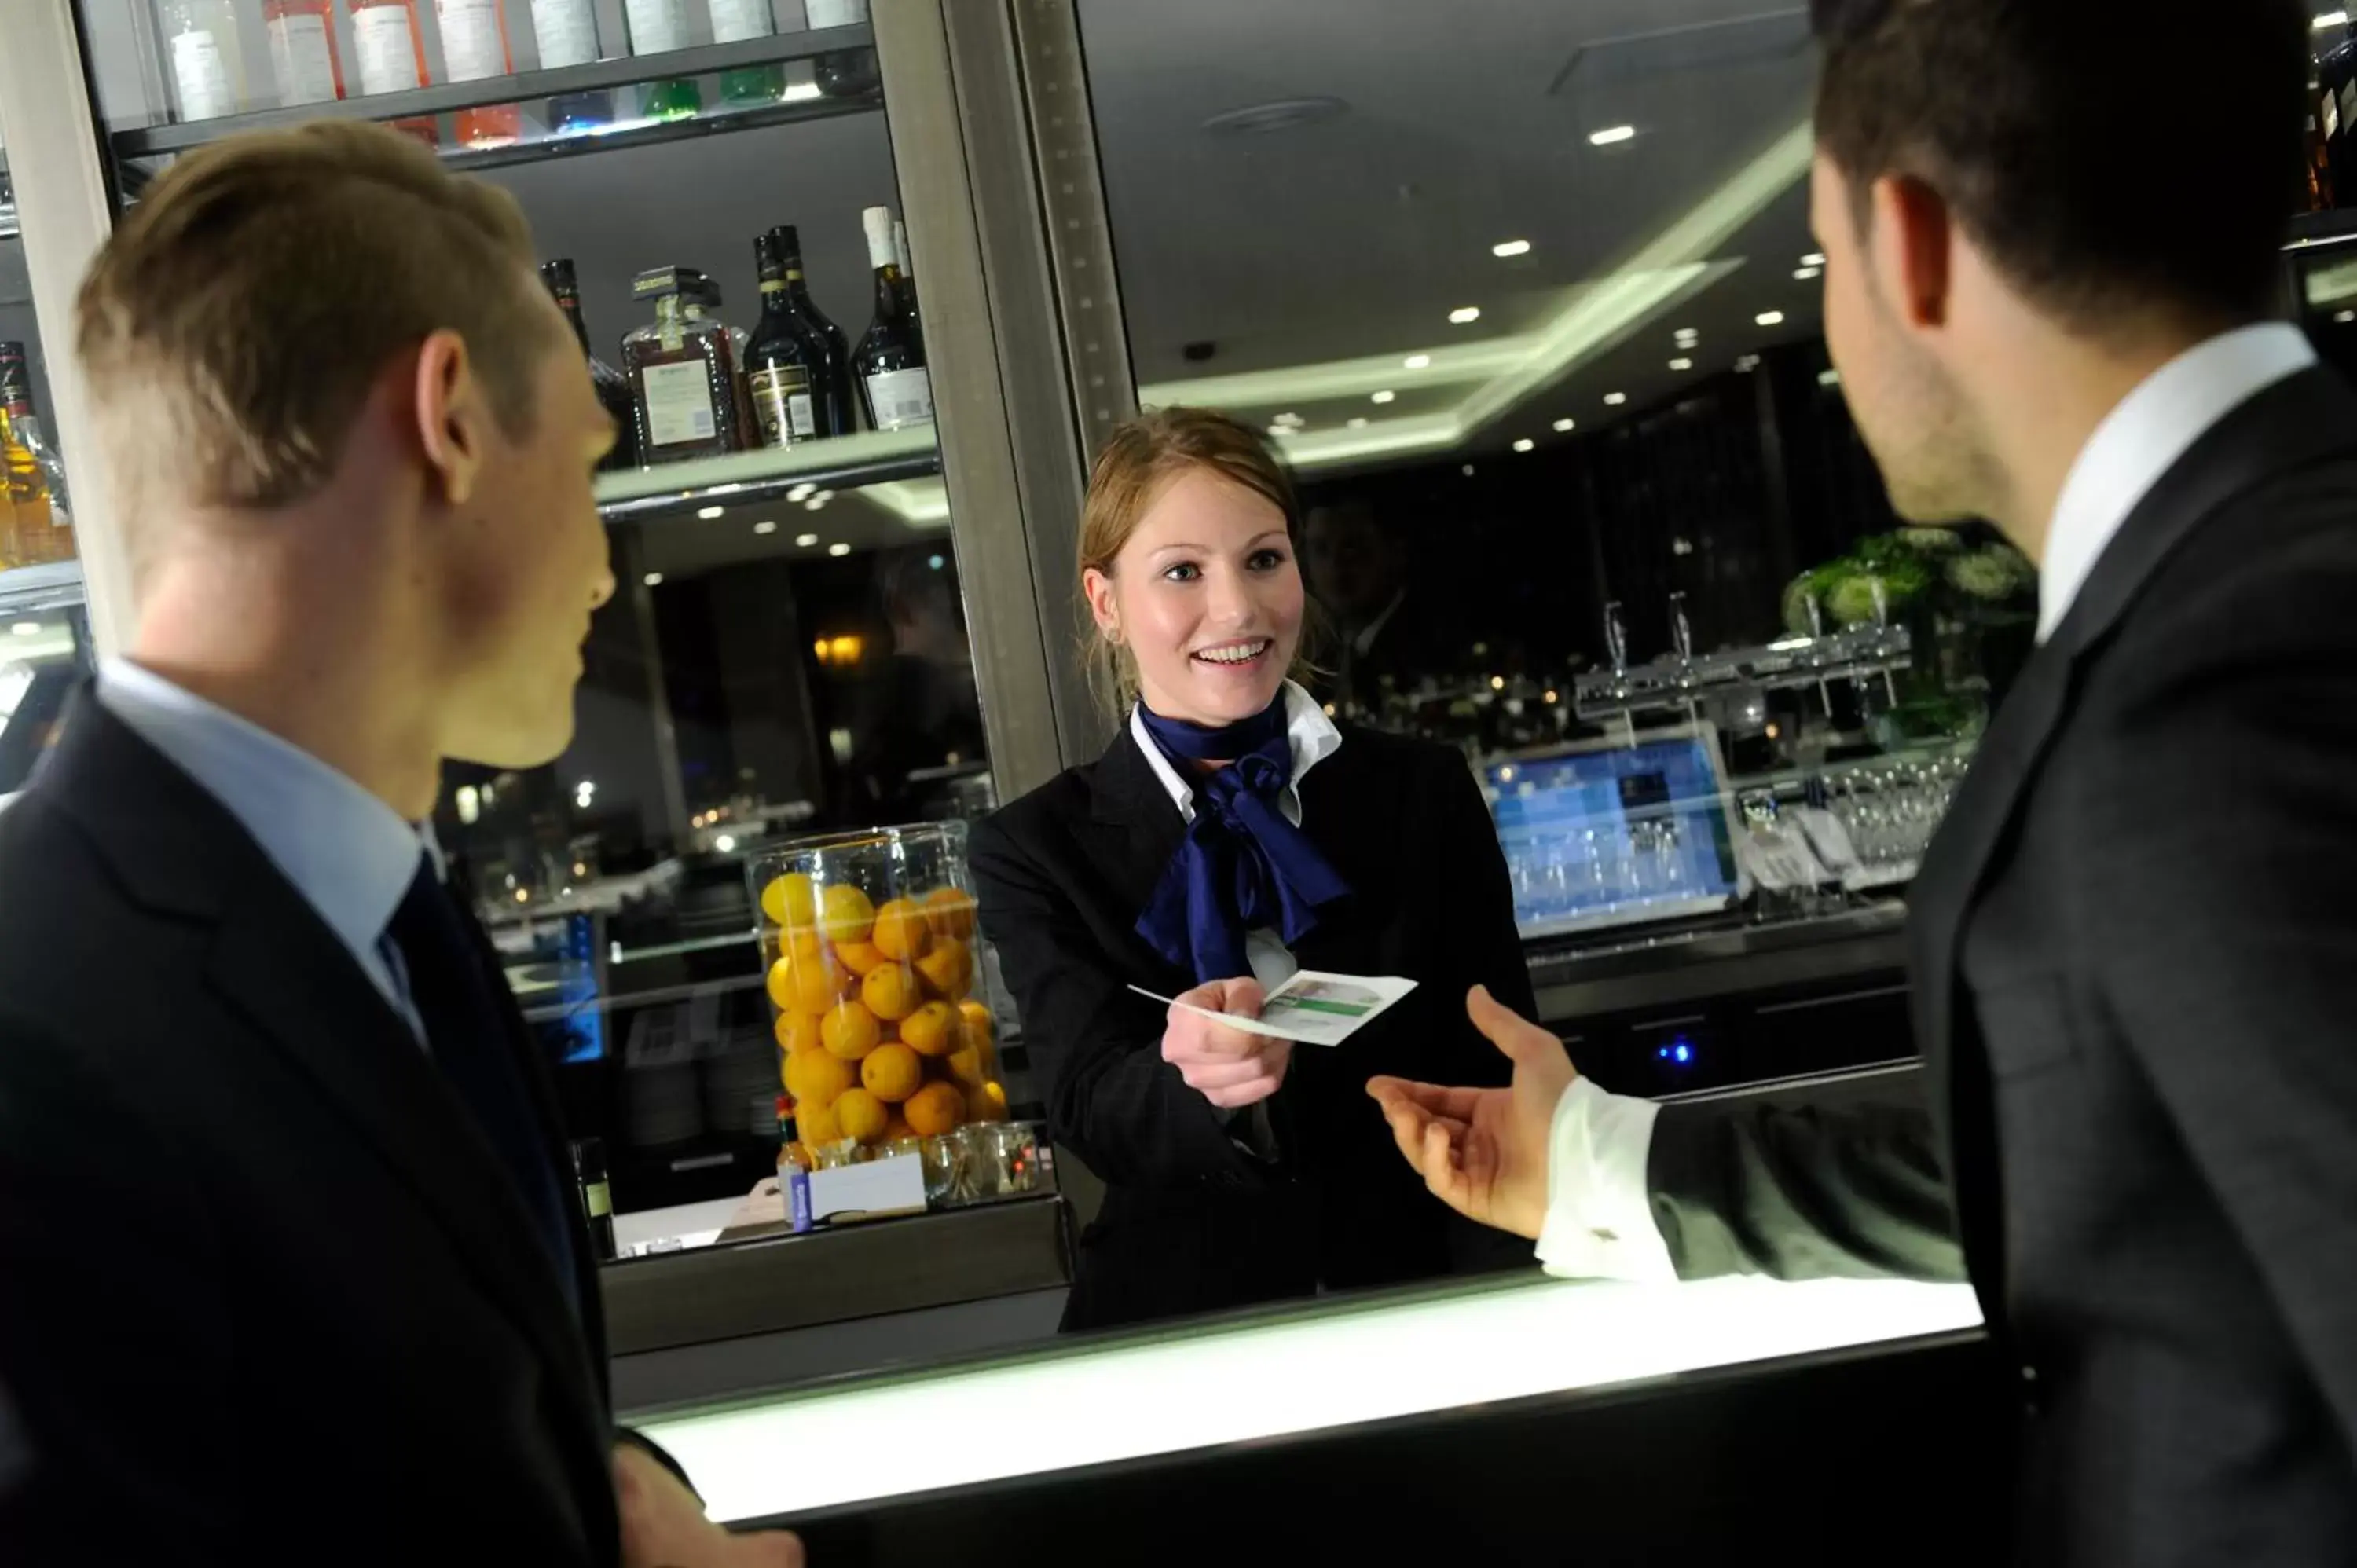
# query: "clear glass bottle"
204,57
304,60
389,56
57,544
475,48
686,392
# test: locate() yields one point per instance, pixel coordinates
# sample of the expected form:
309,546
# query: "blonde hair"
1137,460
233,325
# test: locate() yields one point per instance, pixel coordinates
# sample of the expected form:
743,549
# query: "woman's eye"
1267,560
1185,571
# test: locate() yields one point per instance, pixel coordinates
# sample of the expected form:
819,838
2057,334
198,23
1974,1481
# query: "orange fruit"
859,1114
895,1127
980,1026
901,931
845,914
860,958
891,992
804,978
951,910
986,1102
936,1108
948,969
790,901
816,1078
968,1066
849,1031
796,1031
816,1125
933,1030
892,1073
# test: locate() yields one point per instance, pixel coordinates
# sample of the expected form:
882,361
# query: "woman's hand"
1227,1067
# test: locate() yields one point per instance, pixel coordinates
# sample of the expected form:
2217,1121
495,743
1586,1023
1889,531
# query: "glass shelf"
845,462
147,142
26,590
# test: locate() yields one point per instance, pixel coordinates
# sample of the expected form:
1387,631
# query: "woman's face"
1207,596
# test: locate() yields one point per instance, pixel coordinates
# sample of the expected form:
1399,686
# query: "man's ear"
1913,237
453,416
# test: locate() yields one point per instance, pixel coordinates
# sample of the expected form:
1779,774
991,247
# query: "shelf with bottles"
479,112
793,475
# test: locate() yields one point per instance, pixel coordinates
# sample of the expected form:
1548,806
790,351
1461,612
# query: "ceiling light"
1526,445
1828,378
27,629
2332,19
765,528
1566,426
1418,361
653,579
1505,248
1294,419
1385,396
1465,316
1612,136
1280,430
1359,423
1808,274
708,512
1747,364
815,504
802,492
806,540
1614,400
1769,318
1814,259
1682,364
838,549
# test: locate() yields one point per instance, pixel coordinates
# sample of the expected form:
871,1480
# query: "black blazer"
1190,1221
2132,944
265,1293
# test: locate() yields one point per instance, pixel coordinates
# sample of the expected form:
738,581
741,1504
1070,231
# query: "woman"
1231,835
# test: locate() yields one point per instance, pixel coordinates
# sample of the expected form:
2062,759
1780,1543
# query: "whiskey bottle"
16,402
28,497
831,402
682,371
613,387
890,363
780,373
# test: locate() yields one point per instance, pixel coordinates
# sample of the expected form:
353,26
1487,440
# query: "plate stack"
740,1086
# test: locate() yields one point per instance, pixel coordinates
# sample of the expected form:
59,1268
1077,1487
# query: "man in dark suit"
2049,307
295,1270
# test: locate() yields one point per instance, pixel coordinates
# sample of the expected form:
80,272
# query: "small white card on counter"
1312,1008
869,1191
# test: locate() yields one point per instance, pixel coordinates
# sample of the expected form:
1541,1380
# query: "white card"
1312,1008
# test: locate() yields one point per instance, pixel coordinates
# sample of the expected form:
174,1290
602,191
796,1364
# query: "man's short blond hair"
233,325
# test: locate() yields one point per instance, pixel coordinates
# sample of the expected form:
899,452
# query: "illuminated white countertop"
1338,1365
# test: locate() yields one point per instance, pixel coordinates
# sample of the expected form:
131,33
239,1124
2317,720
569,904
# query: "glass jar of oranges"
884,1023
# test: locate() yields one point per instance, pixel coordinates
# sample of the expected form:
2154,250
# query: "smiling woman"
1200,858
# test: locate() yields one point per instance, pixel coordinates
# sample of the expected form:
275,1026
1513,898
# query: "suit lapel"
1134,826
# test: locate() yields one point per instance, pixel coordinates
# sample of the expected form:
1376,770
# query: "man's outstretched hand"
1484,1152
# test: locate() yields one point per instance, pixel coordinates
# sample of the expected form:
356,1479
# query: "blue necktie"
467,1032
1241,867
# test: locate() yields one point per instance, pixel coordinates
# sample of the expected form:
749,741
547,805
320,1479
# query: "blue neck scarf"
1241,867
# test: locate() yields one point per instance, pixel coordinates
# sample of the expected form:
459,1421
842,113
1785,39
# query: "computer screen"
1615,833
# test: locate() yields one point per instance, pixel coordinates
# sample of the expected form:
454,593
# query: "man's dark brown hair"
2111,159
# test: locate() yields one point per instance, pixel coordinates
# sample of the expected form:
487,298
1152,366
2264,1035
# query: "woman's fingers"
1207,1076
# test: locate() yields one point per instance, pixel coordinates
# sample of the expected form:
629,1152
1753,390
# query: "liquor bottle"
682,371
890,362
659,27
733,22
832,401
566,31
303,59
697,310
24,423
206,56
10,555
596,1195
845,73
909,281
389,53
613,387
28,497
782,372
475,48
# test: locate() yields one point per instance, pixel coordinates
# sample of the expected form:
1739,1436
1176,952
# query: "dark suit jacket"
265,1293
1190,1221
2133,943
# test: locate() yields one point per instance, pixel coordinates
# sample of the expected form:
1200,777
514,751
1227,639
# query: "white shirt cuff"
1599,1217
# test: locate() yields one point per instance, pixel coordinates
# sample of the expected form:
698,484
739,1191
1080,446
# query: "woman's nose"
1230,600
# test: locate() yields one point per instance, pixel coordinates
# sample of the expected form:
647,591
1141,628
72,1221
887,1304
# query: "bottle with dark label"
613,387
832,403
597,1196
894,386
781,375
682,368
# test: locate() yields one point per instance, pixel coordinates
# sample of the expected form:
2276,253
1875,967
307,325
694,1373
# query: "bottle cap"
657,282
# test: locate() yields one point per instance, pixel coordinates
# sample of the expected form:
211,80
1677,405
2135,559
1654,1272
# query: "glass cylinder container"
884,1020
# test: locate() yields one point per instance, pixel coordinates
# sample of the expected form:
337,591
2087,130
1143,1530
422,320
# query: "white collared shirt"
1313,739
1600,1218
347,853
